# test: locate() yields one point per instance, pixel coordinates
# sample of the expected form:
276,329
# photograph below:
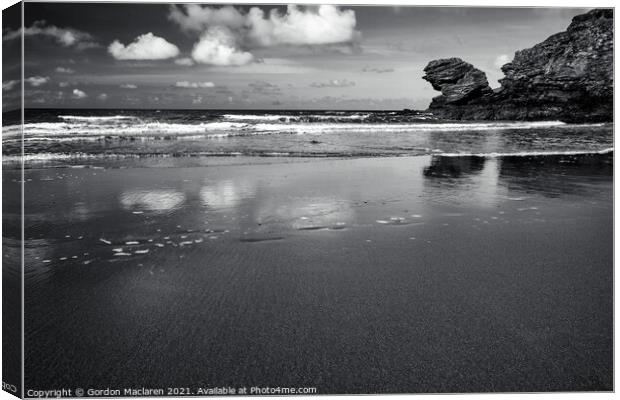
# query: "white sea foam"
82,129
250,117
531,153
293,118
102,118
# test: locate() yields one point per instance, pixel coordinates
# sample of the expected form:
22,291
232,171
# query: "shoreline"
96,160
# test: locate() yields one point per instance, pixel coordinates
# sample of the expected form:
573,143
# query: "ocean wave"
101,118
52,129
295,118
121,127
230,128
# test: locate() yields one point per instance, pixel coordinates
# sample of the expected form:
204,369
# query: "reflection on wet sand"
554,176
327,266
226,194
445,168
463,180
488,177
157,200
307,213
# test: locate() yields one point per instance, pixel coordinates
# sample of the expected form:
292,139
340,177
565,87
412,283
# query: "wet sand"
390,275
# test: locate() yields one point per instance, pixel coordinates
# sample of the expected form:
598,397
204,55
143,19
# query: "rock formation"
568,77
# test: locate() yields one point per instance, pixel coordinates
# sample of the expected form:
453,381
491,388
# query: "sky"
157,56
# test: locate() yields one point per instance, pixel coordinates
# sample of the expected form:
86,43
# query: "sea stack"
567,77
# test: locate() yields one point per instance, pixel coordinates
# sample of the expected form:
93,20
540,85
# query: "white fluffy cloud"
195,18
194,85
37,80
67,37
102,96
327,25
63,84
129,86
144,47
226,34
78,94
501,60
217,46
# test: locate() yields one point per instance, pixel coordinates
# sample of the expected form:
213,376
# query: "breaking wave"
81,130
55,136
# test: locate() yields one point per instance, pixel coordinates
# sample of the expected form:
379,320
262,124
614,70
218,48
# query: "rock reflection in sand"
156,200
470,180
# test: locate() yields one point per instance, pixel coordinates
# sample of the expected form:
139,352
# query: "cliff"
568,77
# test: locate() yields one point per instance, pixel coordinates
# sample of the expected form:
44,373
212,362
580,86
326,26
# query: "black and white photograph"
213,199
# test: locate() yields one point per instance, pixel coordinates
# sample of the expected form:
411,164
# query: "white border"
476,3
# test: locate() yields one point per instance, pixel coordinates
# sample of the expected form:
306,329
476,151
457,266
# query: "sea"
73,136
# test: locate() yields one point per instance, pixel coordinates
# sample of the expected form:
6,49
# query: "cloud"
63,70
501,60
333,83
144,47
63,84
217,47
67,37
37,80
325,25
128,86
102,96
186,61
8,85
194,18
194,85
227,35
265,88
378,70
78,94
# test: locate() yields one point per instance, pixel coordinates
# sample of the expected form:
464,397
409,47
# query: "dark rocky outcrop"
458,81
568,77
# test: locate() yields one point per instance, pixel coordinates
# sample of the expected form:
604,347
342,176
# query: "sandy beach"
378,275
